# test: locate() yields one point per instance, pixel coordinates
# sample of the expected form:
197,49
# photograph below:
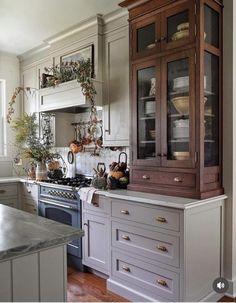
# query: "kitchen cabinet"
29,100
116,88
175,53
155,255
29,197
9,194
96,241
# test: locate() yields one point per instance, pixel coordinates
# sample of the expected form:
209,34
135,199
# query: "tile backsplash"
85,162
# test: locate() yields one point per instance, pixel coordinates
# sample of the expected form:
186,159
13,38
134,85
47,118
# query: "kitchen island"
33,257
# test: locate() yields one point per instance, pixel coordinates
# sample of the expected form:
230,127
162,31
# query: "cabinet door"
146,36
29,79
116,90
178,114
146,113
178,25
96,242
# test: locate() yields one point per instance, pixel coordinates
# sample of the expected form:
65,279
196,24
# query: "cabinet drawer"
154,216
12,202
156,246
8,190
30,206
151,280
100,205
164,178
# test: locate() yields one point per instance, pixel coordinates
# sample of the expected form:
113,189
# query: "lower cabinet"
29,197
9,194
96,244
164,253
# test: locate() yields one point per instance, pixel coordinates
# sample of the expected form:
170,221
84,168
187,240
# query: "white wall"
229,143
9,70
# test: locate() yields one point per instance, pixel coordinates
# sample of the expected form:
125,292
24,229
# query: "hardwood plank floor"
87,287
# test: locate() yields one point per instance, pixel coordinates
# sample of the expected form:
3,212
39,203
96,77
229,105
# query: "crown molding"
48,43
119,13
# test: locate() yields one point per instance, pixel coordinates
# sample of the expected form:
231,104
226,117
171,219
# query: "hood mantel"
67,95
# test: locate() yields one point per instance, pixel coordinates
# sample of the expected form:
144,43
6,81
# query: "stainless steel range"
59,201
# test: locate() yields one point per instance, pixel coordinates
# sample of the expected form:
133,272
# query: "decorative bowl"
181,155
181,104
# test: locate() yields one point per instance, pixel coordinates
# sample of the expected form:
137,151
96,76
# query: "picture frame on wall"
82,53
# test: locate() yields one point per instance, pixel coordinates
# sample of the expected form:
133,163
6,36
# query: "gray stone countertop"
22,233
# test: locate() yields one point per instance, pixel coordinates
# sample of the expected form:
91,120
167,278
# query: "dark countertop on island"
22,233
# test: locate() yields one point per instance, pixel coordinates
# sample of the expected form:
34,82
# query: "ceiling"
25,24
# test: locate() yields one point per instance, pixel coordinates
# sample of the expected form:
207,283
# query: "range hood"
67,97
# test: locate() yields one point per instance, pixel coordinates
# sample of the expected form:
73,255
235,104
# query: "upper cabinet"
168,29
29,101
116,88
175,52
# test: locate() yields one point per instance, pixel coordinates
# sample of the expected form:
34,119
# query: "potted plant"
29,144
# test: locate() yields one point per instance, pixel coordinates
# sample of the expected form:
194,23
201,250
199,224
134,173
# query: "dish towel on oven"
86,194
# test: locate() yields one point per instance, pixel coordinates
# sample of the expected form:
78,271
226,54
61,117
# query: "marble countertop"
155,199
22,233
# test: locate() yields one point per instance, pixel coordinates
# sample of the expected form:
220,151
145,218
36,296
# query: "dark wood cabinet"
176,108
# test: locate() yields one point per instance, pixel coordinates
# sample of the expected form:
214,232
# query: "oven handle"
57,204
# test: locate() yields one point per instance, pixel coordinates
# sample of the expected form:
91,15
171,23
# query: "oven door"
65,214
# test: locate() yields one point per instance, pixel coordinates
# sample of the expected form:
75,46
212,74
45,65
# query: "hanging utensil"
75,145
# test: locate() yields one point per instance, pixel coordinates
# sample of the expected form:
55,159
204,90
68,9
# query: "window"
2,116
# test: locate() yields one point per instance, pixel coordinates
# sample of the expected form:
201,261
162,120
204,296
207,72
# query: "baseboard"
212,297
129,294
231,292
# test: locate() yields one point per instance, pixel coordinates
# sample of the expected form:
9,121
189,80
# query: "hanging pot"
75,145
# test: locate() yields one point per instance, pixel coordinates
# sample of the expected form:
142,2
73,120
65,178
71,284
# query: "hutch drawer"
164,178
156,282
157,246
153,216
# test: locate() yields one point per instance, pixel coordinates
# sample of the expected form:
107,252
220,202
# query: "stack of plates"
182,31
180,83
150,108
181,129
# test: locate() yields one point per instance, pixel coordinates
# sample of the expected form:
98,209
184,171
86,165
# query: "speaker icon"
220,285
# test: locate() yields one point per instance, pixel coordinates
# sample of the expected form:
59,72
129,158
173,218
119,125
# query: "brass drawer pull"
178,180
162,248
124,212
126,268
145,177
2,191
161,219
162,283
125,237
95,204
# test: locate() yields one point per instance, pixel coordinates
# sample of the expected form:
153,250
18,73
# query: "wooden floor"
87,287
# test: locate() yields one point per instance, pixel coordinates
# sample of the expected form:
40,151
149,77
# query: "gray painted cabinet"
29,197
116,86
96,244
166,254
9,194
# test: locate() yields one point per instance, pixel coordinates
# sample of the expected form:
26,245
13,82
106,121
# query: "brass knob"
178,179
162,248
145,177
162,283
124,212
161,219
126,268
125,237
2,191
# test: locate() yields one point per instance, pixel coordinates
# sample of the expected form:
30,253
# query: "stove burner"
75,182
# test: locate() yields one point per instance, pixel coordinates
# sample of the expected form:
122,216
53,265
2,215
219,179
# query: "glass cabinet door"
145,37
147,133
211,87
180,92
178,27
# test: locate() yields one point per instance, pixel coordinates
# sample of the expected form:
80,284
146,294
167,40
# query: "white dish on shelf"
180,132
150,107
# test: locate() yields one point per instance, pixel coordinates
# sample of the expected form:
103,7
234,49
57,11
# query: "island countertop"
22,233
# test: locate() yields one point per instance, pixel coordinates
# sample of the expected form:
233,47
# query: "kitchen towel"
86,194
